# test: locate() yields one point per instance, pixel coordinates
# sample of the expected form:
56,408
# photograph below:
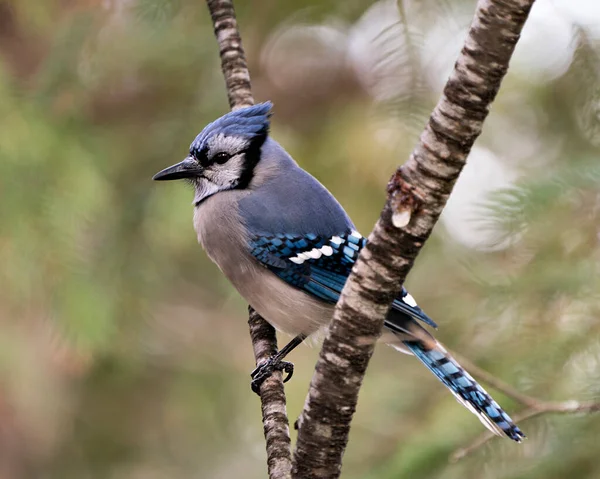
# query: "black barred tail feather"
466,390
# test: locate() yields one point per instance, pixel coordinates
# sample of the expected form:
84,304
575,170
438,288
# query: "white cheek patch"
227,175
228,144
204,189
408,299
217,178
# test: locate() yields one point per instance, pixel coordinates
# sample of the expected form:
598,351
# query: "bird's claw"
262,372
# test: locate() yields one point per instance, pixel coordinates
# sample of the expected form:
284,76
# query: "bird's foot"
265,370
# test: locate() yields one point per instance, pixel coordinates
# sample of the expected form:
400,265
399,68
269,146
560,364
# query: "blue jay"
288,246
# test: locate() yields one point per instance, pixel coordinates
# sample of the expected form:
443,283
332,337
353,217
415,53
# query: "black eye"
221,157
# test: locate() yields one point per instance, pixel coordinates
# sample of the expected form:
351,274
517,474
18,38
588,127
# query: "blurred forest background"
123,351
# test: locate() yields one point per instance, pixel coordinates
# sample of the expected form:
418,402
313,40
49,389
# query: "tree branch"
233,59
272,396
495,382
541,407
417,194
534,407
264,341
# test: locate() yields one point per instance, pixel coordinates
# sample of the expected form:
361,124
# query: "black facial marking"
201,156
251,159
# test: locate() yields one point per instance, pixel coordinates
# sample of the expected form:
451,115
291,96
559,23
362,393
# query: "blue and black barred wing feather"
320,265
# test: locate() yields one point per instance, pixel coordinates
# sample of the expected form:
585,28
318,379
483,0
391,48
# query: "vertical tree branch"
264,341
417,194
233,59
272,396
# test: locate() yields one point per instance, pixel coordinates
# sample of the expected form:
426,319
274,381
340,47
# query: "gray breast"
222,234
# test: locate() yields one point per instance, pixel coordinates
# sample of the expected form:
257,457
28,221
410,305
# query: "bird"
287,246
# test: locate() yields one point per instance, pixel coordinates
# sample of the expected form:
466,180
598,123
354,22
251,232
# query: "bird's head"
224,154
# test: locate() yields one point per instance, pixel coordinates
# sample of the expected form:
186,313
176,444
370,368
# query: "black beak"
188,168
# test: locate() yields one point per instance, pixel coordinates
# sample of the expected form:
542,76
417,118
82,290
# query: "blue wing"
320,265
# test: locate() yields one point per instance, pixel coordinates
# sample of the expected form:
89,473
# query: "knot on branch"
403,199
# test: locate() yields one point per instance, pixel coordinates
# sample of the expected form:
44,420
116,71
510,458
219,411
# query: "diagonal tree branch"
264,341
534,407
417,194
541,407
494,381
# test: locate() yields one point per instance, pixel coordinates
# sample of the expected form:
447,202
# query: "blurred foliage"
125,354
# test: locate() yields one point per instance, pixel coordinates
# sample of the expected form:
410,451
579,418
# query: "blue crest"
250,122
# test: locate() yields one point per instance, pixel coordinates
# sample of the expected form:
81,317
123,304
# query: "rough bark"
264,341
417,193
233,59
272,395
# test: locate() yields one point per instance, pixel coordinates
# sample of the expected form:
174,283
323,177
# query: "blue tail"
466,389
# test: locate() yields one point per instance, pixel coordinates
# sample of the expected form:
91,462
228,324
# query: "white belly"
288,309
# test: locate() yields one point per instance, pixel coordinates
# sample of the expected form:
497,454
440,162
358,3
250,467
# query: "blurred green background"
123,351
